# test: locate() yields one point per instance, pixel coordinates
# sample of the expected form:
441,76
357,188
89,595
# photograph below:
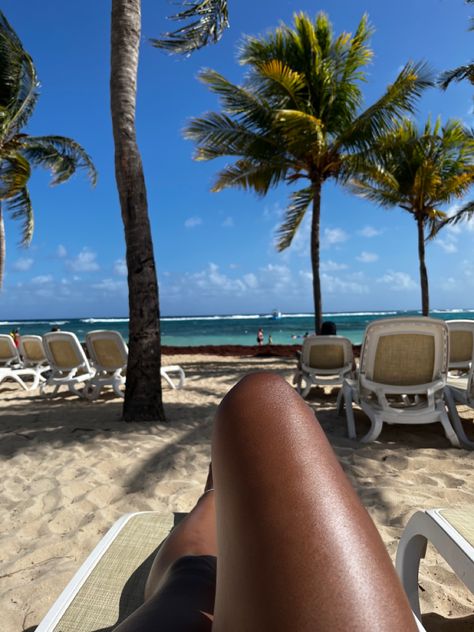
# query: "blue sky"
215,252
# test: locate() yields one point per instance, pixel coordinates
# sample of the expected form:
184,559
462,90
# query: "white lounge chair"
402,375
461,344
110,584
11,366
460,390
68,362
34,356
451,531
325,361
109,356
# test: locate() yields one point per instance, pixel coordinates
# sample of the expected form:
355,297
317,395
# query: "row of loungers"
411,371
57,359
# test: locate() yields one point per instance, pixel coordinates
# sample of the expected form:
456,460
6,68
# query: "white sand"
70,468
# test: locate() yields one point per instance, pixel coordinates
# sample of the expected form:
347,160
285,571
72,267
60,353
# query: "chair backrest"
8,351
461,343
107,349
64,351
32,349
405,351
326,352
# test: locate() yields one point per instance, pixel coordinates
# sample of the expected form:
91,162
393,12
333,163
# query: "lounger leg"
411,548
167,378
181,378
80,393
375,428
340,402
116,386
460,435
347,395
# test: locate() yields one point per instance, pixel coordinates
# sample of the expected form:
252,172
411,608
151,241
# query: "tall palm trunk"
143,396
2,246
425,297
315,247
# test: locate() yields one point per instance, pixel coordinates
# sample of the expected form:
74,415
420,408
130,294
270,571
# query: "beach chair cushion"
404,359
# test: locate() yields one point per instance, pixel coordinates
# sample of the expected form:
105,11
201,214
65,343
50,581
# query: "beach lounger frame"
451,532
12,367
123,557
324,361
34,356
68,362
461,344
402,376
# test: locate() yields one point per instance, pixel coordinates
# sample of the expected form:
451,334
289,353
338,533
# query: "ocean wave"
362,314
26,323
103,320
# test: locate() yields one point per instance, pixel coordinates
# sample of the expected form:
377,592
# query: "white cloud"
42,279
120,267
61,251
331,266
110,285
369,231
398,281
367,257
251,280
334,285
332,236
192,222
23,264
448,245
84,262
228,222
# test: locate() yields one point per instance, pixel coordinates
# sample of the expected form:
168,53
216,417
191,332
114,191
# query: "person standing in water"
260,336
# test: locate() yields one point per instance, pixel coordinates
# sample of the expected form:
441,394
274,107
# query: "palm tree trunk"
2,246
425,297
143,396
315,222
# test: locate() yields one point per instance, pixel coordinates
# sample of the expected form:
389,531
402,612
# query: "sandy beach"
70,468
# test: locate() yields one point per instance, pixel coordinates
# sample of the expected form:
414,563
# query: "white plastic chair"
34,356
461,344
11,366
402,375
109,355
325,361
451,531
460,390
68,362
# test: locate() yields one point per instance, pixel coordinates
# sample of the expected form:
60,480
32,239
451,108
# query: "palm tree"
297,117
20,152
461,72
143,396
419,170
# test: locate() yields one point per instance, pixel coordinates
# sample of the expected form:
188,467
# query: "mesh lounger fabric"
462,519
326,357
404,359
460,346
108,354
115,587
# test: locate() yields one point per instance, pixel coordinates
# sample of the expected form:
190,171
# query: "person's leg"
180,591
297,550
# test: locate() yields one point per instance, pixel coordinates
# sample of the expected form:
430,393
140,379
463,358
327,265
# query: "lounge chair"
461,344
109,585
451,531
34,356
11,366
68,362
402,375
109,355
325,361
460,390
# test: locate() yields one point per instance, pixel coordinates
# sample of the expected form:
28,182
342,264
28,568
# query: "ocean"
237,329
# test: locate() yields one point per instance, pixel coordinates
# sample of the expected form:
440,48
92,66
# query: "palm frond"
20,208
457,74
18,81
61,155
466,213
399,99
205,22
294,214
303,134
15,172
250,174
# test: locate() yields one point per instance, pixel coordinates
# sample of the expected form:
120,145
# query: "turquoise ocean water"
237,329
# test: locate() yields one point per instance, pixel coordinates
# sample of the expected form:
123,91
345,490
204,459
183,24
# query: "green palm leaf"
300,200
206,21
20,208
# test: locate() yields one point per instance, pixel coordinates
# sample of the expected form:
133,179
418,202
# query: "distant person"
15,334
55,328
270,339
260,337
328,328
306,334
